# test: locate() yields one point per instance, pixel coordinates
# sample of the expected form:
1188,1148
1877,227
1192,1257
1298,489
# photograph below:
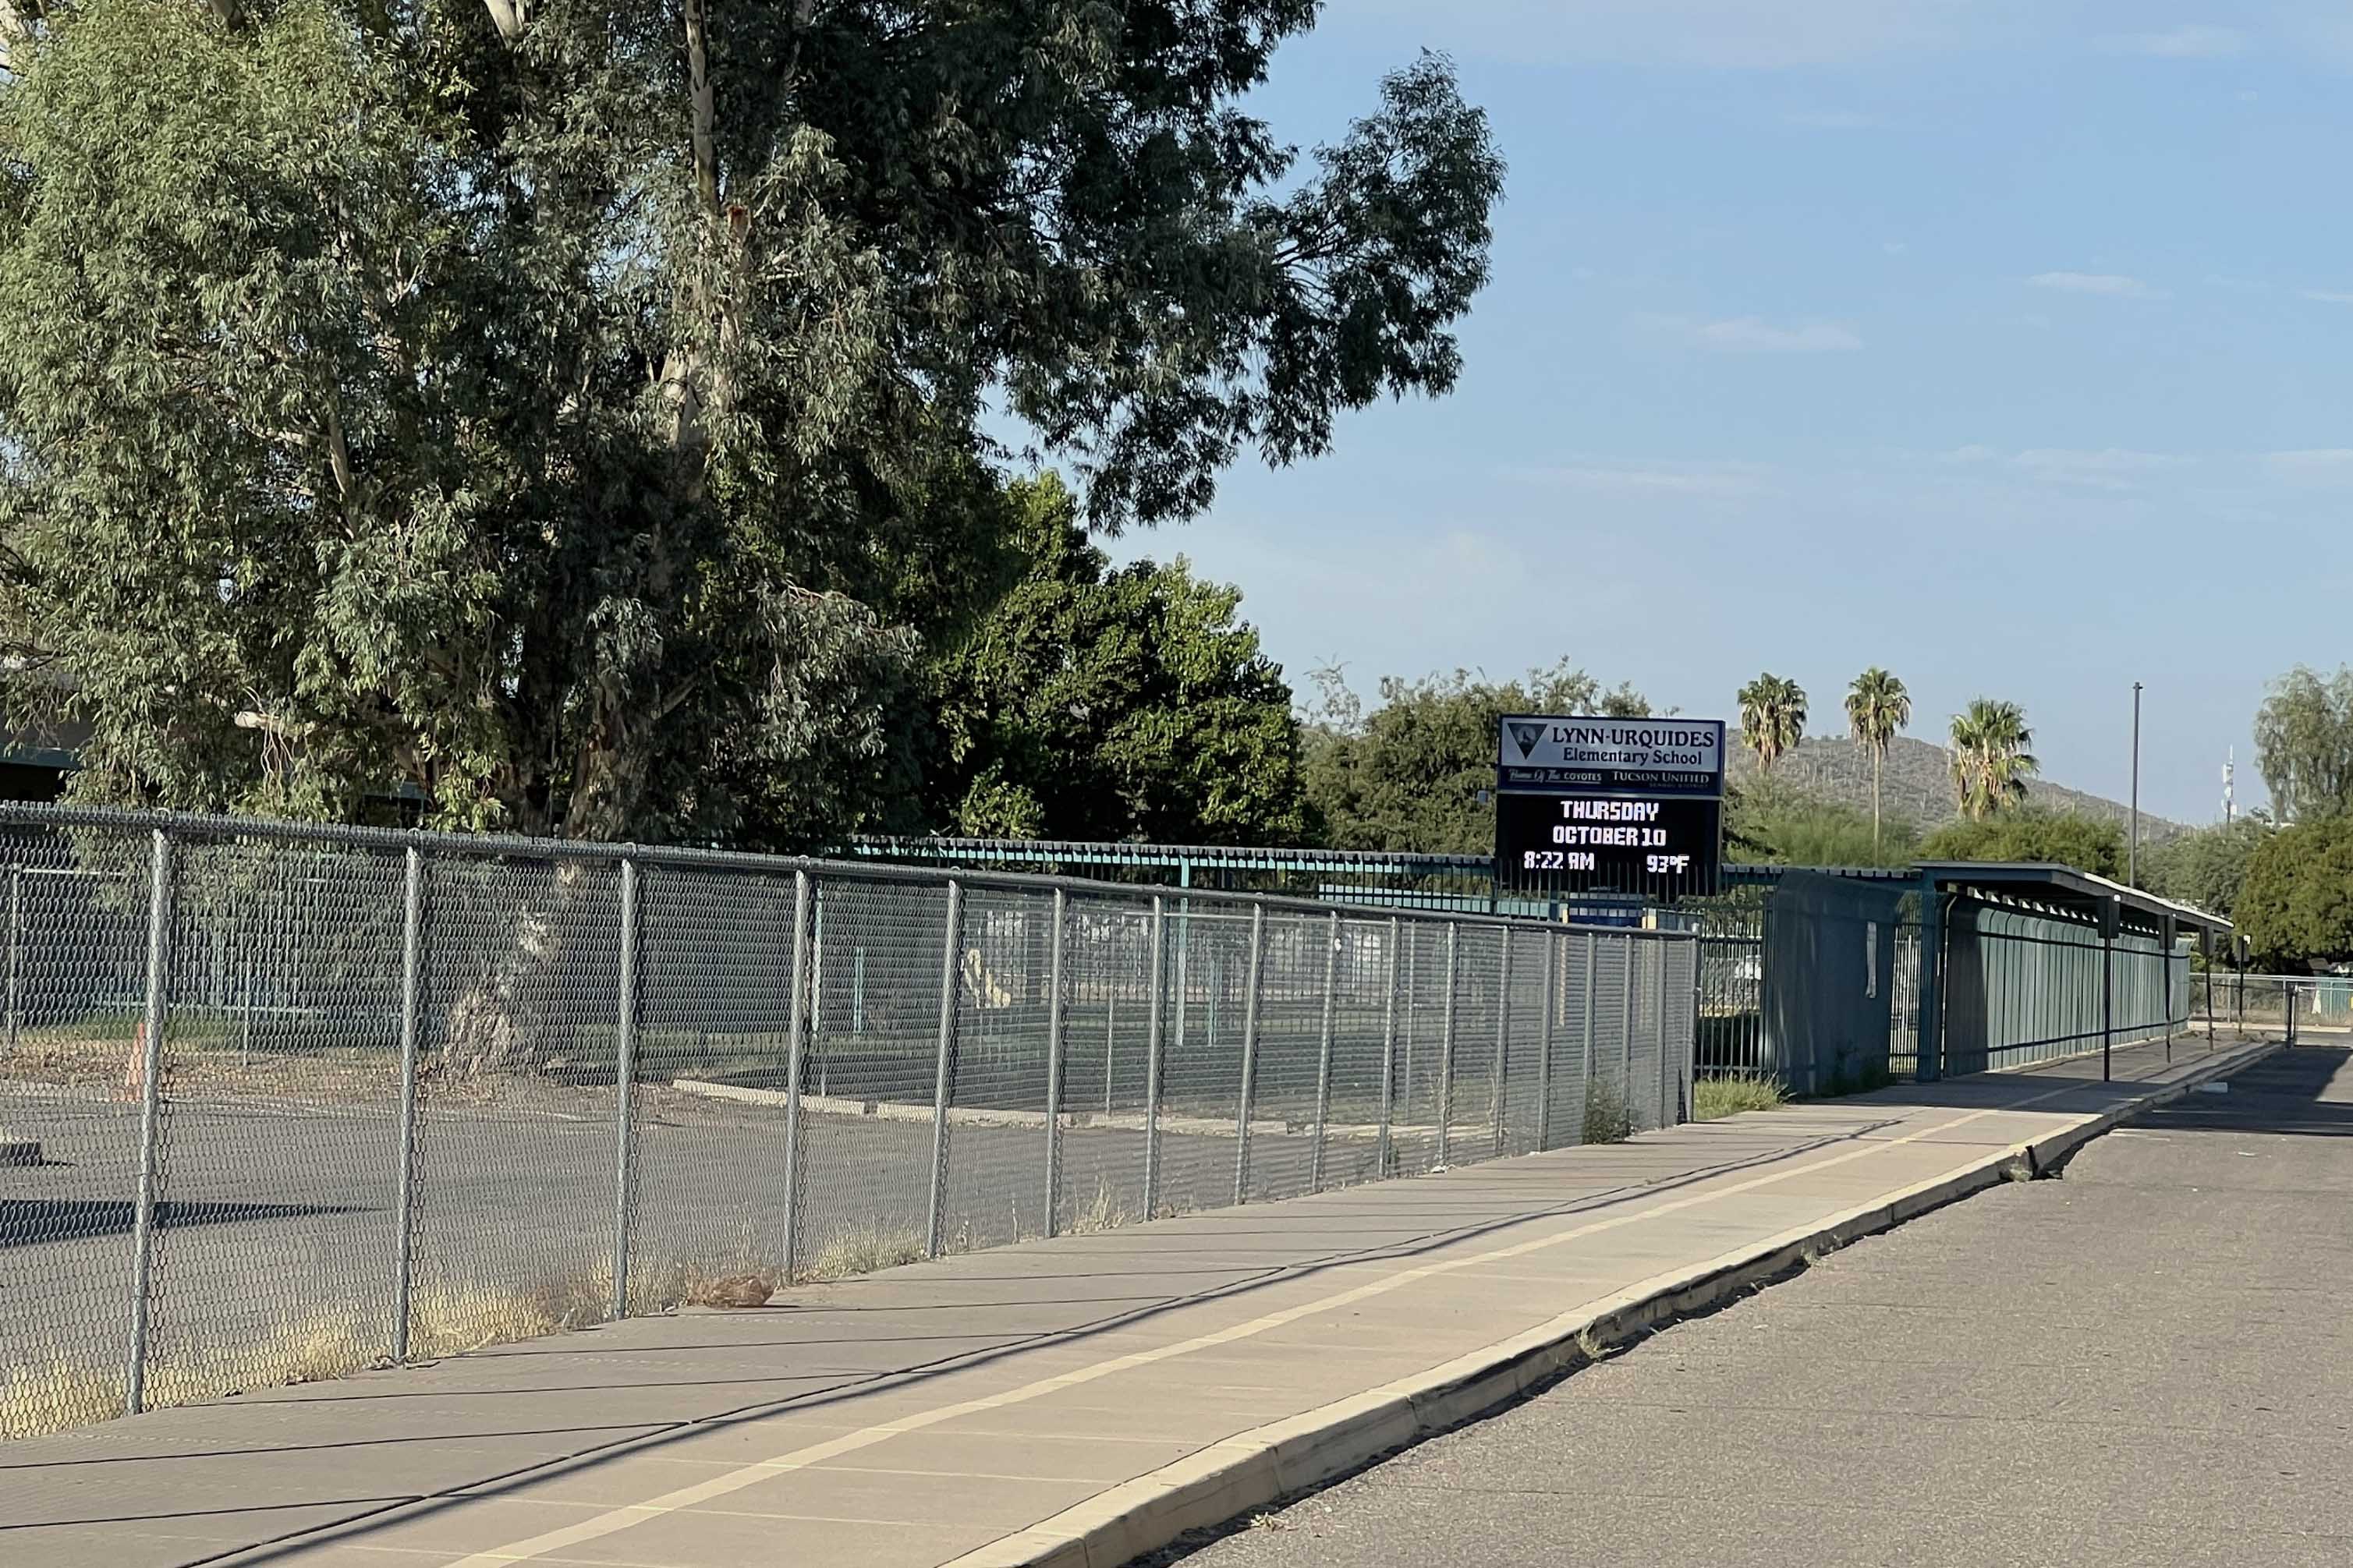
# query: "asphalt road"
2147,1360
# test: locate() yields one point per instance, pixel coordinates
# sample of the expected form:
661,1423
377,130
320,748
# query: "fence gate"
1828,982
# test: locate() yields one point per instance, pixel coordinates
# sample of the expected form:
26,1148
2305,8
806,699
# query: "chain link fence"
279,1102
2304,1008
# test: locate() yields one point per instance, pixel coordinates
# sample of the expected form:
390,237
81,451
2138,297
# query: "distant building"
34,764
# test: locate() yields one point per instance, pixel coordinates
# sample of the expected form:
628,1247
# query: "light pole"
2132,853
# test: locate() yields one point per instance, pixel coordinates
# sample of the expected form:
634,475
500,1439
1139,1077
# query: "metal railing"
2304,1008
2031,989
2021,988
279,1102
1377,878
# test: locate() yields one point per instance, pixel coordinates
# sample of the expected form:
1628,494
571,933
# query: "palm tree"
1772,718
1991,761
1877,706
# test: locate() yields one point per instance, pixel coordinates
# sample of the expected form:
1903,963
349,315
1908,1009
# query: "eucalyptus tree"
2303,743
573,414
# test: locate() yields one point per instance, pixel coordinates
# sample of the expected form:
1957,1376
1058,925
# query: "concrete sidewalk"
2147,1362
1073,1402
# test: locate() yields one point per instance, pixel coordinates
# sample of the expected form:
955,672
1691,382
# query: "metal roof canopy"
2041,885
2063,889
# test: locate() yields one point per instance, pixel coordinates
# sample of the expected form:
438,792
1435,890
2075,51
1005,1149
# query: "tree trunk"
1877,757
529,947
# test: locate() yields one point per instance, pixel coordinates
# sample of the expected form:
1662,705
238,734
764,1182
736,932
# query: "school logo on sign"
1527,735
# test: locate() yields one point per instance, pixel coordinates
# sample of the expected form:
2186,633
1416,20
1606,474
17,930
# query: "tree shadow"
28,1222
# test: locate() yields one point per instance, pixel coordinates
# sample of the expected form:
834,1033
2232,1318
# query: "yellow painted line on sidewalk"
614,1520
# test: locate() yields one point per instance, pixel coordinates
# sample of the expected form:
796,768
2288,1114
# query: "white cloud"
2111,468
1831,119
1894,246
2114,285
2189,42
2313,465
1623,479
2107,468
2327,296
1754,335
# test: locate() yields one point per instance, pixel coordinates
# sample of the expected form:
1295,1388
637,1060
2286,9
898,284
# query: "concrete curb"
1256,1468
972,1116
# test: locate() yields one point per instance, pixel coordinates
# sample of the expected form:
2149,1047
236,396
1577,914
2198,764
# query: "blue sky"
2007,345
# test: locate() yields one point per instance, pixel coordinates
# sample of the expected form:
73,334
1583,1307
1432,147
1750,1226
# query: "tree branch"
339,454
15,33
289,730
701,108
511,17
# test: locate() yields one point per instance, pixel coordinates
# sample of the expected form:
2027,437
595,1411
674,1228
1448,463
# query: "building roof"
2065,890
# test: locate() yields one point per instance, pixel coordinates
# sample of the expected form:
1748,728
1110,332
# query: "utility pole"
2132,855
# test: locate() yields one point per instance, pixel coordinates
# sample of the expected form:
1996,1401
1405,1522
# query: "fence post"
1405,1112
2206,954
1323,1055
1388,1054
151,1073
16,952
1249,1055
797,1022
1446,1045
245,994
1054,1033
1687,1080
944,1068
1553,978
1502,1039
412,963
2170,936
1626,1032
1158,992
1925,1066
817,981
1585,1041
2107,986
625,1073
1184,967
1658,1029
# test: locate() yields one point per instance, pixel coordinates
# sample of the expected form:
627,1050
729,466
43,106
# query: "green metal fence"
2022,988
2012,985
